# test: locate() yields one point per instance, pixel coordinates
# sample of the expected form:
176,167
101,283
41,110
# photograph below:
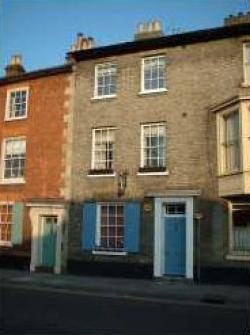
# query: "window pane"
14,158
103,148
241,230
106,79
153,150
231,142
154,73
17,104
112,229
5,223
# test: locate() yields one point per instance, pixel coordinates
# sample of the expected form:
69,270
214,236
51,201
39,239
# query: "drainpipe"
198,217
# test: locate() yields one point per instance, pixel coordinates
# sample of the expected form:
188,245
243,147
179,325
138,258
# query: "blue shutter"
17,224
132,226
89,226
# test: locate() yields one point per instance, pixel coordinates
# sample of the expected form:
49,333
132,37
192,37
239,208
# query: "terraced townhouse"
32,130
137,162
158,157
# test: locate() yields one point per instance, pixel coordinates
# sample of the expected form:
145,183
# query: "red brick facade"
43,129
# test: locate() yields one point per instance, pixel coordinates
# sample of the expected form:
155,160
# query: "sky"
43,30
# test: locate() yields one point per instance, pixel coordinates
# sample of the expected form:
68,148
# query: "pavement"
159,290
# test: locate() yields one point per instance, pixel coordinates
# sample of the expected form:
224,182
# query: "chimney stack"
82,43
240,18
15,67
150,29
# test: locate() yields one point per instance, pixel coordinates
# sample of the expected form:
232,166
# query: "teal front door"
49,225
175,240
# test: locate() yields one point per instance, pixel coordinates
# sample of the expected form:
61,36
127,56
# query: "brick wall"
198,76
43,129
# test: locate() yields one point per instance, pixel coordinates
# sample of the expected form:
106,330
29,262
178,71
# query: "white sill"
161,90
230,173
12,181
165,173
101,175
235,257
109,253
5,244
101,97
7,119
245,84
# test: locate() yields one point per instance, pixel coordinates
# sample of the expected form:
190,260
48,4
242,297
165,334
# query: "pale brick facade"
201,73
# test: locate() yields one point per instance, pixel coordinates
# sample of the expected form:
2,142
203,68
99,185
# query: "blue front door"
175,245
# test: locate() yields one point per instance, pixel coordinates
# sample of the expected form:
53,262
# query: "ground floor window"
241,228
112,227
6,215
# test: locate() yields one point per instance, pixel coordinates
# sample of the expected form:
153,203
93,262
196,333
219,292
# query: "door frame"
35,213
159,240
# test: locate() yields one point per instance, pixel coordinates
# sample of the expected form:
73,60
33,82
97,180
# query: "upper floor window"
153,146
103,150
246,63
105,80
13,159
16,105
153,74
231,143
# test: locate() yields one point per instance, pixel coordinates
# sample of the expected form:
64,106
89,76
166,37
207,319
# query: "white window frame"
148,91
93,162
104,96
143,126
221,140
98,231
234,255
18,180
7,243
246,64
7,105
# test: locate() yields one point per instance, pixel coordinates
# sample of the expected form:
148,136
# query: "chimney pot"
150,29
82,43
240,18
15,67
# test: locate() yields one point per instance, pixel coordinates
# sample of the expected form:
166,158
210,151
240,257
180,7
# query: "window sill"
15,118
101,175
162,90
166,173
227,174
153,172
109,253
5,244
245,84
103,97
12,181
238,257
